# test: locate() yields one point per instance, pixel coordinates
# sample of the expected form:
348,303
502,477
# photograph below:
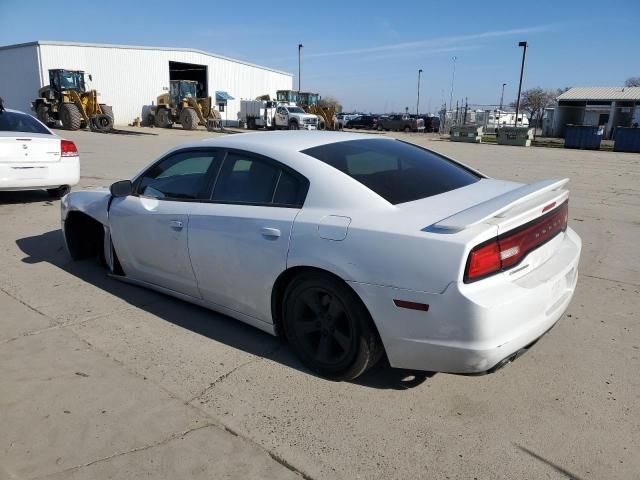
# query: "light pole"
524,54
299,70
502,96
453,76
418,102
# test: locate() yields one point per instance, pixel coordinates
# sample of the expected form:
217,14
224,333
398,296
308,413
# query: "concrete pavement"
160,388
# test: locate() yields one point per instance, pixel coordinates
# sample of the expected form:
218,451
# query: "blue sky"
367,54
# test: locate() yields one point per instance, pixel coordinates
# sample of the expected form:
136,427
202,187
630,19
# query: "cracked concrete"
100,379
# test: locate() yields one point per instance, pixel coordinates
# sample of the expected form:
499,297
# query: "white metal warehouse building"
130,78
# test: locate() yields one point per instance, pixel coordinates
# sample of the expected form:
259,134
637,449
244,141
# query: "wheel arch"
84,235
285,279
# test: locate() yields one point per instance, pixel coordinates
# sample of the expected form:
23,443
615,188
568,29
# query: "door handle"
270,232
176,224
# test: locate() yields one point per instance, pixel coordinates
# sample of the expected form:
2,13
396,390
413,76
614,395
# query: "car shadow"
49,247
26,196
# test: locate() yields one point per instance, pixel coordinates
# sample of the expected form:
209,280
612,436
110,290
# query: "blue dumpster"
627,140
584,137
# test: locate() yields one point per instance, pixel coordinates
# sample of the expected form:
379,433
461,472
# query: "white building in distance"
130,78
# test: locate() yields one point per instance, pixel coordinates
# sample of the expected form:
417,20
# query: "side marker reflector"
411,305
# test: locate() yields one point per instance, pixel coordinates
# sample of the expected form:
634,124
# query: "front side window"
20,122
399,172
181,176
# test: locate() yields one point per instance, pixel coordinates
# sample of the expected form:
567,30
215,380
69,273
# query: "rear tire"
329,327
162,118
70,116
59,192
189,119
407,129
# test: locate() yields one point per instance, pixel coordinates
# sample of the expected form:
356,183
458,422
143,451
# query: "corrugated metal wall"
19,77
131,78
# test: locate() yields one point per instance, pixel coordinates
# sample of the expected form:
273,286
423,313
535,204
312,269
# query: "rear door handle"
270,232
176,224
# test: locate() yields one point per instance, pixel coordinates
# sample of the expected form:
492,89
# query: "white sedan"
350,246
32,157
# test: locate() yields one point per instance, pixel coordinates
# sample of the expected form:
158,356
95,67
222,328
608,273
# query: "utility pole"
453,76
299,69
418,102
524,54
502,96
466,108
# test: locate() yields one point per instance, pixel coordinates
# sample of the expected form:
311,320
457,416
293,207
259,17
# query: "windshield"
188,90
71,80
20,122
399,172
295,110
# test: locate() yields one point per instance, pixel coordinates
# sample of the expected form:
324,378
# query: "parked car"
405,123
32,157
431,123
347,245
362,121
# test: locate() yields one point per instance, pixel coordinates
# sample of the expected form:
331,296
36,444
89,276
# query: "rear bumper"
475,328
33,176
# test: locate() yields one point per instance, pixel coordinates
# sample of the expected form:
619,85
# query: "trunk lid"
29,148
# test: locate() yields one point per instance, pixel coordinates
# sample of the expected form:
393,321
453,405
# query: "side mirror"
90,78
123,188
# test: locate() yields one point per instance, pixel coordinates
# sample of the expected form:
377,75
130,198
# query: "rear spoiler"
497,206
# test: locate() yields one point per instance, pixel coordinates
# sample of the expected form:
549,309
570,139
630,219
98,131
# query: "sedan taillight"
68,149
508,249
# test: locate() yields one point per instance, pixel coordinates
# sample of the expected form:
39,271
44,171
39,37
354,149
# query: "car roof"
284,141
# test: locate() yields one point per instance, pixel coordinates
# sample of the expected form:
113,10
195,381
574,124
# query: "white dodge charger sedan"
32,157
351,246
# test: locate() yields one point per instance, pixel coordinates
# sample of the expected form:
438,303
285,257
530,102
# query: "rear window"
20,122
399,172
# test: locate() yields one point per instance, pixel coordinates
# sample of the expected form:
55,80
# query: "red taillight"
508,249
68,149
483,260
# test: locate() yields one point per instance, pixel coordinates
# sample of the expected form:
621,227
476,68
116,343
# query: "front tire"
329,327
293,126
70,116
189,119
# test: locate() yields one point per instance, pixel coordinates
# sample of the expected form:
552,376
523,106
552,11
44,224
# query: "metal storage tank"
584,137
627,140
130,78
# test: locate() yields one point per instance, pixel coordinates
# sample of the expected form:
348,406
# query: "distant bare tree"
330,102
632,82
560,91
535,100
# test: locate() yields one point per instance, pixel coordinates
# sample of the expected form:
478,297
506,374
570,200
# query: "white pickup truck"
269,114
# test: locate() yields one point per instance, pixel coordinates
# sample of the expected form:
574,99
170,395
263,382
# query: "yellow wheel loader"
181,105
67,100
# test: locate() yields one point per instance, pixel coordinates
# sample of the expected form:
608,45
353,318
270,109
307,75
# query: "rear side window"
245,178
20,122
399,172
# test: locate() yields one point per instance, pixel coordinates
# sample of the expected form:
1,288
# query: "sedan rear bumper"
475,328
33,176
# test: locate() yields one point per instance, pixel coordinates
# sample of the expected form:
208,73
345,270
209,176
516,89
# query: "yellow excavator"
310,103
182,105
66,99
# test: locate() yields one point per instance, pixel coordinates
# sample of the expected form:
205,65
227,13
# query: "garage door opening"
190,71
